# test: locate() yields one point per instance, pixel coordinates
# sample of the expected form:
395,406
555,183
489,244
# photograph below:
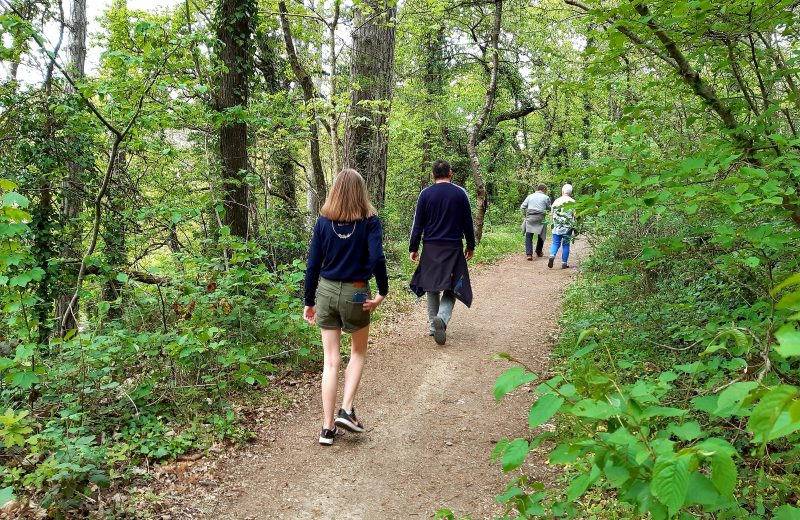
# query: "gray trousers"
440,304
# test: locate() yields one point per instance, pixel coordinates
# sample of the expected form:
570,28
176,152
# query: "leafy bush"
675,401
151,384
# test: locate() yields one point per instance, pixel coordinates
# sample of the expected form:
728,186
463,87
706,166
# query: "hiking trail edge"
431,419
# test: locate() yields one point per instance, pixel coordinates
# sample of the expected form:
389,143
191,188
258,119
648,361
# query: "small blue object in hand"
360,297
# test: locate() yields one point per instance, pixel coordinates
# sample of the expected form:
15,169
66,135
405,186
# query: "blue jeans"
561,241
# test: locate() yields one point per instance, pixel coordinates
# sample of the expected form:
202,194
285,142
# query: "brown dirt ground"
431,419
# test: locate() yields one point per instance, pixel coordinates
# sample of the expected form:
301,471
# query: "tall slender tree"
234,24
71,188
366,139
492,53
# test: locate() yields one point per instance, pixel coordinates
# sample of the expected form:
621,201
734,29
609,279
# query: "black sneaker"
326,436
564,266
348,421
550,262
439,328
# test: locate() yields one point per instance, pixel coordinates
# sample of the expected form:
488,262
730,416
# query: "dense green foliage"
675,387
134,317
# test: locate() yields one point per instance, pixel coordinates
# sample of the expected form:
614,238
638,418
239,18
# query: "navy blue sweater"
443,215
351,259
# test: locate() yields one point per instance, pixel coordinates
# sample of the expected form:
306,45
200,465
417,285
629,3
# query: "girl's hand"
371,305
310,314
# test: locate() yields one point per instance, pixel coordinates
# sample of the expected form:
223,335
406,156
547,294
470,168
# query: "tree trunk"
366,137
114,236
66,317
235,20
472,143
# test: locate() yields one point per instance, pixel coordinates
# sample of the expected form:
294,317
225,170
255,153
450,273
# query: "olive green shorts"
336,308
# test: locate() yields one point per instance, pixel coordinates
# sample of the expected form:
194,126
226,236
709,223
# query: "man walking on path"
563,226
534,208
442,219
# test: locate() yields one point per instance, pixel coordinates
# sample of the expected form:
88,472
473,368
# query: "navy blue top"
351,259
443,215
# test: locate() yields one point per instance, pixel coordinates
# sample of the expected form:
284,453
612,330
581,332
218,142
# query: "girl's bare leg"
331,344
352,376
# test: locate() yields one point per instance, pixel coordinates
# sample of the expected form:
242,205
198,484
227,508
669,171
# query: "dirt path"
431,418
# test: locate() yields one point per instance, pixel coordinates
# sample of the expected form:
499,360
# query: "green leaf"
511,379
515,454
671,481
723,473
593,409
687,431
122,277
543,409
701,491
715,445
584,350
692,163
510,493
579,485
786,512
24,380
6,495
790,301
789,341
13,199
769,409
499,448
791,281
617,475
731,398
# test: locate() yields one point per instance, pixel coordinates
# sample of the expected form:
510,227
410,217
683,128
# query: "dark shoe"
540,255
326,436
564,266
348,421
550,261
439,328
530,257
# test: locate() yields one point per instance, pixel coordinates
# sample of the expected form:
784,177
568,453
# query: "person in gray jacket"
535,208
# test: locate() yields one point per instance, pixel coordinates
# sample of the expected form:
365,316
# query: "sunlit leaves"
671,481
510,380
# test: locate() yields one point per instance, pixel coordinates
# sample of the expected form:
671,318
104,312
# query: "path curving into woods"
431,418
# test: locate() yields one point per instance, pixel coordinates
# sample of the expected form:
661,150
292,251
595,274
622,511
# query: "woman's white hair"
566,189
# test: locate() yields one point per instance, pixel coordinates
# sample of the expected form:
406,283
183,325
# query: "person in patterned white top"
564,220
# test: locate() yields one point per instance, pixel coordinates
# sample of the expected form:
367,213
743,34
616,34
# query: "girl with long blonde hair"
346,252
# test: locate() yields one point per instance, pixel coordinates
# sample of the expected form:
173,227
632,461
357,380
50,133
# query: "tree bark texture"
483,117
235,21
366,138
71,187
